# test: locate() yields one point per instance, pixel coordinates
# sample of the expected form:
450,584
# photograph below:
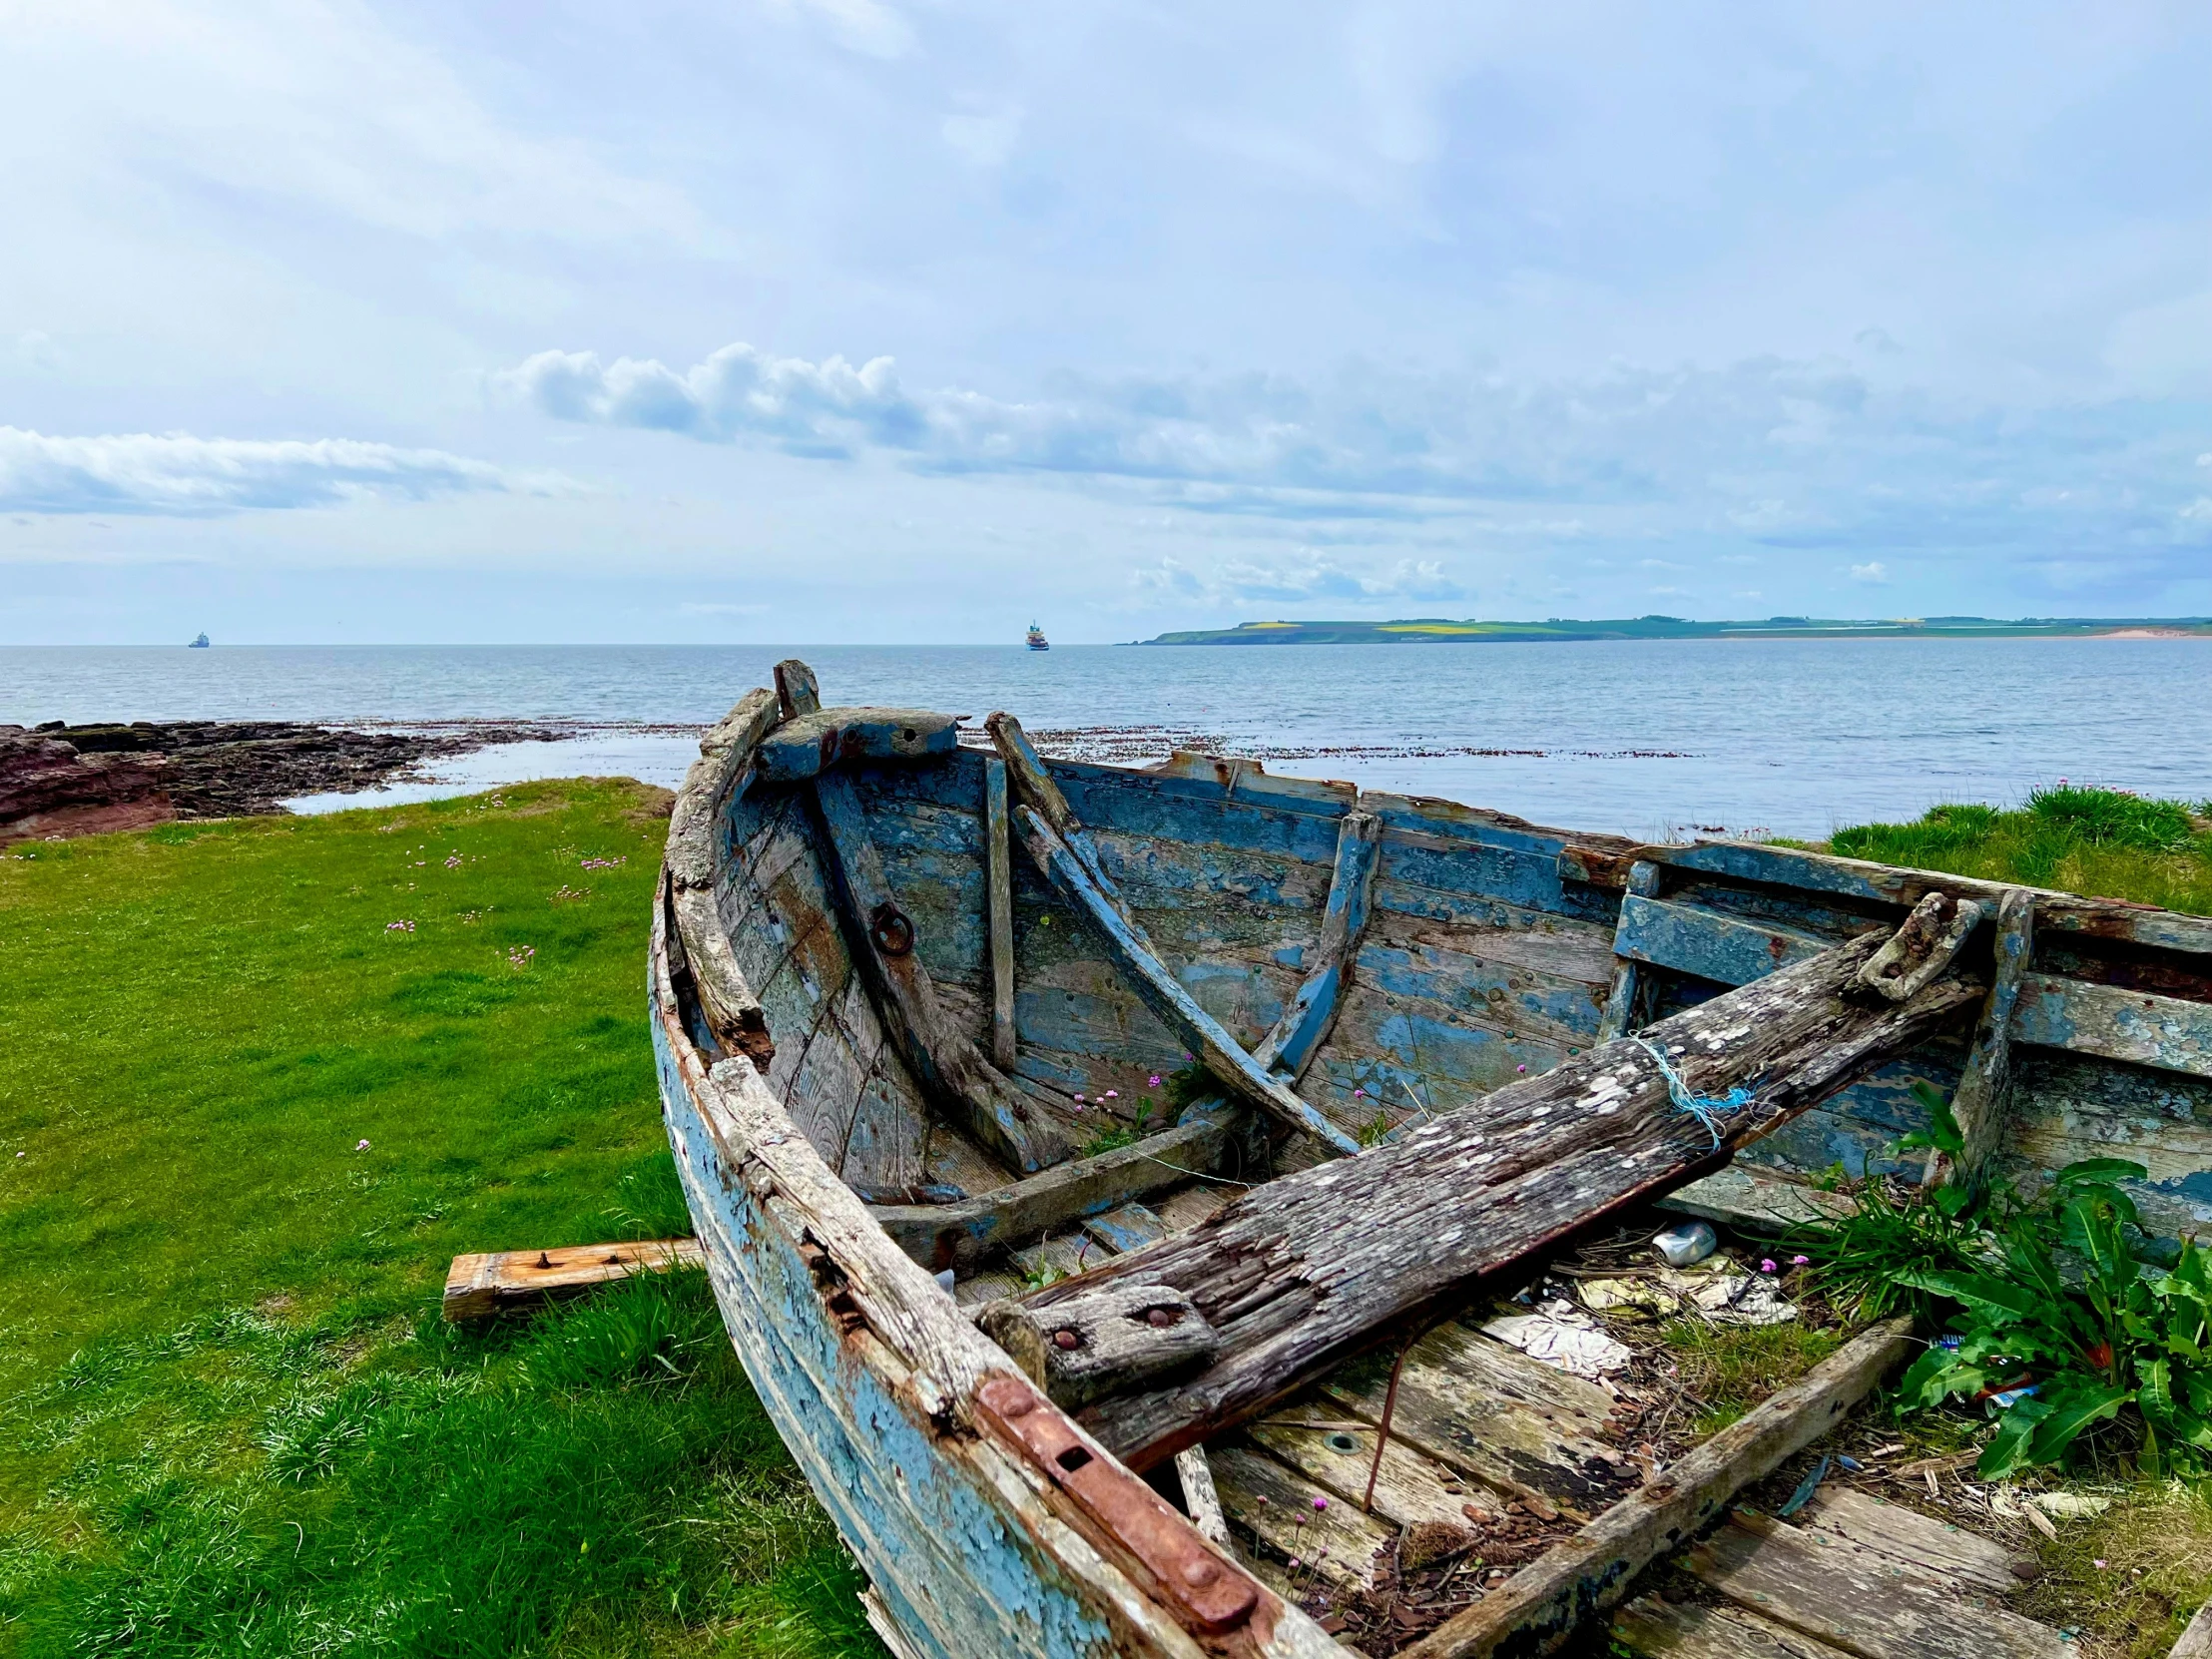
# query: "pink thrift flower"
1358,1094
361,1146
1296,1563
1800,1261
1520,1068
2099,1562
1080,1100
1766,1266
1153,1081
1320,1503
1112,1094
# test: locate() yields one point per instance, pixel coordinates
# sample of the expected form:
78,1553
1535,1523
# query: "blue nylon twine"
1706,1108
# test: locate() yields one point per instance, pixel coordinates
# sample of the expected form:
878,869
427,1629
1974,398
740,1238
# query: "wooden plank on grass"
505,1281
1542,1605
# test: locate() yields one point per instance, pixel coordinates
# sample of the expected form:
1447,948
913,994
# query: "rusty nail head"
1160,1319
1066,1339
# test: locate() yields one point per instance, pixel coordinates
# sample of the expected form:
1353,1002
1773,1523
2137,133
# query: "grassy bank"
2088,840
266,1078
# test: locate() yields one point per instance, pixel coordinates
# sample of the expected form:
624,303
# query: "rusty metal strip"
1208,1594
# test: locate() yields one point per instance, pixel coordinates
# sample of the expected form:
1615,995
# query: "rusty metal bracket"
891,929
1209,1595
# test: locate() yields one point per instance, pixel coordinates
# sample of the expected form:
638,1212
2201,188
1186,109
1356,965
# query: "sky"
905,320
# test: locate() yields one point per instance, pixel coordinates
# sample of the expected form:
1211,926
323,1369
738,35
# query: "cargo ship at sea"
1037,641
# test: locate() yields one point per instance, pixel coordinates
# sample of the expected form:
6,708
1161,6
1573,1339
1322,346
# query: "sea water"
1644,737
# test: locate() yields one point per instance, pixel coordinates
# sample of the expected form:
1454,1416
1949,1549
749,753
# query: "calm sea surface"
1640,736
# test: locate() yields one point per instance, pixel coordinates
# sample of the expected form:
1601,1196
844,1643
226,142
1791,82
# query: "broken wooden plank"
1164,994
1332,1542
999,877
1979,1101
503,1281
2115,1023
1620,1000
1857,1600
1299,1274
1914,1541
1410,1488
1033,788
1655,1629
796,689
809,745
1201,1499
1542,1605
734,1014
956,1234
1494,1415
1097,1348
1194,1206
956,1078
1290,1047
1933,934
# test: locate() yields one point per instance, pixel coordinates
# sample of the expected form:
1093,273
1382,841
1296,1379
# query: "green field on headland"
1471,631
246,1119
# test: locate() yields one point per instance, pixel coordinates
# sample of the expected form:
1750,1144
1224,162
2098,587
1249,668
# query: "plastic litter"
1685,1241
944,1280
1563,1339
1715,1287
2071,1505
2013,1396
1806,1488
1849,1462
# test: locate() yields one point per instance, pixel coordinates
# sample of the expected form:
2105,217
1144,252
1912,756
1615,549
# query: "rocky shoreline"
58,779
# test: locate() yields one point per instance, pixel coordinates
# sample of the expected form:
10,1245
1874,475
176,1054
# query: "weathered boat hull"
1479,950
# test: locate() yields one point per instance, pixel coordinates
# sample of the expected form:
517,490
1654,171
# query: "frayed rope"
1706,1108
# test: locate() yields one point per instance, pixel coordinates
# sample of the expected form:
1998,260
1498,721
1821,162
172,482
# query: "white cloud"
985,140
179,475
1875,572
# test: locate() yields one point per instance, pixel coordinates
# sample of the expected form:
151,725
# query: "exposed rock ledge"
58,779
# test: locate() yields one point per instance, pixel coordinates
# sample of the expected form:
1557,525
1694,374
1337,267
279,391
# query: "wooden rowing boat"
921,1007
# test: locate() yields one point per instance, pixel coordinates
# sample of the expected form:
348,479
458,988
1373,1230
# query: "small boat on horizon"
1077,1151
200,644
1037,641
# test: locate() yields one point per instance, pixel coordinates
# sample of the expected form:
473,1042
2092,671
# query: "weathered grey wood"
1201,1500
957,1079
1410,1488
1979,1101
1335,1545
733,1013
1495,1415
811,743
954,1235
1126,1227
1857,1600
1164,994
503,1281
1823,872
1096,1349
2196,1638
1656,1629
1913,1539
1033,788
724,753
1290,1047
1542,1604
2114,1023
1620,1000
1931,935
1300,1273
796,689
999,843
1754,1200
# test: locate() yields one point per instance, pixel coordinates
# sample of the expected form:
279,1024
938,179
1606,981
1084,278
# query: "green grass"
2101,843
1729,1369
233,1419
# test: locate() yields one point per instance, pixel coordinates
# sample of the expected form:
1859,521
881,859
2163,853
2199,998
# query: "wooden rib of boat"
919,1006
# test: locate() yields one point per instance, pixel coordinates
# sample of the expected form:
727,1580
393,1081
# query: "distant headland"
1444,631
